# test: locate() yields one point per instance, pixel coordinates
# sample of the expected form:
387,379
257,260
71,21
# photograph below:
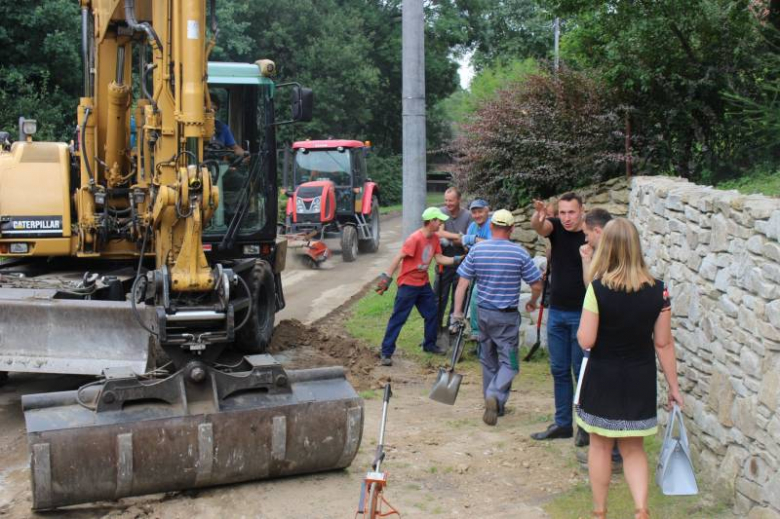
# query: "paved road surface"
313,293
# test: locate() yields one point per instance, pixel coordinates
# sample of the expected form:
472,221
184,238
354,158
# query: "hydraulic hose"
145,27
87,111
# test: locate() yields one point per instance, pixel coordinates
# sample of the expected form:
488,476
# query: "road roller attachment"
126,436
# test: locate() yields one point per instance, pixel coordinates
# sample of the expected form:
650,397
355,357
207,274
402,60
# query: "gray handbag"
674,473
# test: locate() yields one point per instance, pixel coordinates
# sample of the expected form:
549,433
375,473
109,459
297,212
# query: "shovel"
445,389
447,385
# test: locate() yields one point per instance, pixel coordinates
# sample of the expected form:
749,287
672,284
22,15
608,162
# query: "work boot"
386,361
582,438
554,432
443,342
491,411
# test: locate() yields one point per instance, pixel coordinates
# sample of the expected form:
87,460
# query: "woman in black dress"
626,322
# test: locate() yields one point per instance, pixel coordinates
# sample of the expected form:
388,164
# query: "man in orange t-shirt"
414,286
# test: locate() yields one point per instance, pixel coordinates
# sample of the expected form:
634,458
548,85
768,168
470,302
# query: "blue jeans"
565,358
407,298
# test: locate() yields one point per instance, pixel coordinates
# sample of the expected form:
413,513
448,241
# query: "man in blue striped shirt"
499,267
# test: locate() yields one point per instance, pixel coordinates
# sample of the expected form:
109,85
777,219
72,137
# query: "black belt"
505,310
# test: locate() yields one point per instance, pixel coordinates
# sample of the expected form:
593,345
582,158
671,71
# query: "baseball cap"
503,218
434,212
478,204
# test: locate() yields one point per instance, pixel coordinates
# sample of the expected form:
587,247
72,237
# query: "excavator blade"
229,428
40,334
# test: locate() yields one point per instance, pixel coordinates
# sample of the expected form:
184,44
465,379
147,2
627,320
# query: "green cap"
434,212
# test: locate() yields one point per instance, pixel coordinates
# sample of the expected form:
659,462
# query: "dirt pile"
333,348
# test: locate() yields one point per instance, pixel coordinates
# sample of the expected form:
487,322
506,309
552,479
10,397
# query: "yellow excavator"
145,254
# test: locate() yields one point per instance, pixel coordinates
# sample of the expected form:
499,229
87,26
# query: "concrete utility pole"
413,115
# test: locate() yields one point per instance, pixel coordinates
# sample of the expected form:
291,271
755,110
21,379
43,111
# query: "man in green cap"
414,285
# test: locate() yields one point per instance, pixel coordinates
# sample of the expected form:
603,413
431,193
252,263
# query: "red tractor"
330,195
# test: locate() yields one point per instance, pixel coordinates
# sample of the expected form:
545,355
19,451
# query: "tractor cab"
330,194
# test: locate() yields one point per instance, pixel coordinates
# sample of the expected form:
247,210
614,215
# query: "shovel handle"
539,319
388,393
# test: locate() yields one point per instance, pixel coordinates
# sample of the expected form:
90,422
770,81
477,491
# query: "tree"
538,137
672,60
40,66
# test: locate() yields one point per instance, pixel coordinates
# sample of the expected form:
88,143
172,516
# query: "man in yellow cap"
414,285
498,267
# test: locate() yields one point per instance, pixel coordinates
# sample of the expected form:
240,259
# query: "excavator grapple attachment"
42,334
197,428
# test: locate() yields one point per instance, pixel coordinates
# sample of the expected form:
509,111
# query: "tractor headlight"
19,248
316,204
299,205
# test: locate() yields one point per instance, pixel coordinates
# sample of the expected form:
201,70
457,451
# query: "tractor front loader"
149,259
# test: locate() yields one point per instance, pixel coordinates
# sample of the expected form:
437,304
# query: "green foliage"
538,138
40,66
507,30
349,52
387,172
760,181
673,61
486,85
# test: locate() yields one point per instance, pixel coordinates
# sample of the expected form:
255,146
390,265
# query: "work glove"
457,260
445,242
383,284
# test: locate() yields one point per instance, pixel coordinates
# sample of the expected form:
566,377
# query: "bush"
387,172
539,137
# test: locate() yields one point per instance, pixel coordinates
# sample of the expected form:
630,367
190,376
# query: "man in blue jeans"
567,292
414,286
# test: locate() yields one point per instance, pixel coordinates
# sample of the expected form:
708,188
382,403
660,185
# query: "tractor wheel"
372,244
255,335
349,243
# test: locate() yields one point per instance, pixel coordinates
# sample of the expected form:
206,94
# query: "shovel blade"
445,389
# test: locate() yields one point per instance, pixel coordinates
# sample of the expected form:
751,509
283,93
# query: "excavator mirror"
302,104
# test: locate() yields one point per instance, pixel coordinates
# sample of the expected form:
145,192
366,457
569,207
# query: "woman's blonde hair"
618,262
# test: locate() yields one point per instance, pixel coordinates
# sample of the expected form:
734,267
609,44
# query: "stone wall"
718,252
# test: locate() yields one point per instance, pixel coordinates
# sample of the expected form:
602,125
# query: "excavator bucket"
41,334
193,429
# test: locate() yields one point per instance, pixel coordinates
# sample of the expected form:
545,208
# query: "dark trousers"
565,360
444,288
407,298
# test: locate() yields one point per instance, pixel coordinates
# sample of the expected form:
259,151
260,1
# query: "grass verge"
571,504
764,183
436,199
368,321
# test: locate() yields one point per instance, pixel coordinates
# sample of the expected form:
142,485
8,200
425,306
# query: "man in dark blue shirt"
222,134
